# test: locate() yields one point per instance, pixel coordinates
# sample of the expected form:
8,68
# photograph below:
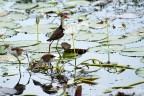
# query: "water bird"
47,58
59,32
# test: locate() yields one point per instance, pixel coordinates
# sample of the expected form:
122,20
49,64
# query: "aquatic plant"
72,31
37,28
1,34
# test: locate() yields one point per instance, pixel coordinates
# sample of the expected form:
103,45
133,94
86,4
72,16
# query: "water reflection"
21,87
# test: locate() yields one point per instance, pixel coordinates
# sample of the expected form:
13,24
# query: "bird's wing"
58,33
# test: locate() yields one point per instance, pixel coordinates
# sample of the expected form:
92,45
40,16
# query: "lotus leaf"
43,28
140,72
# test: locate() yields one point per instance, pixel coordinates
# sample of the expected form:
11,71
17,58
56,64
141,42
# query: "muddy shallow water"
131,14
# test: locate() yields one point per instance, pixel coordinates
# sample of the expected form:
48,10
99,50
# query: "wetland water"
105,69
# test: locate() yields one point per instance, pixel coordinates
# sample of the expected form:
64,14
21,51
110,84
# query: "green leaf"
140,72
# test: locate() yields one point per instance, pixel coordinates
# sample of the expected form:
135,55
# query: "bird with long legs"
58,33
16,52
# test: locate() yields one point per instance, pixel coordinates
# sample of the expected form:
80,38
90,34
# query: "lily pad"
123,39
45,10
78,2
95,24
106,49
9,33
128,16
134,51
17,16
23,6
10,25
142,59
2,51
140,72
3,13
139,32
7,91
87,36
77,16
43,28
20,43
10,58
41,48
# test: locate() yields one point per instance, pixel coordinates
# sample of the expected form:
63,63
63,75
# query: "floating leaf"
95,24
87,36
22,43
81,16
128,15
17,16
7,91
3,13
41,48
10,25
122,39
142,59
139,32
68,55
43,28
23,6
10,58
140,72
134,51
106,49
78,2
2,51
46,10
9,33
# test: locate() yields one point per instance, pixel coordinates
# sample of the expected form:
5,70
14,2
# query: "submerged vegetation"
100,44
